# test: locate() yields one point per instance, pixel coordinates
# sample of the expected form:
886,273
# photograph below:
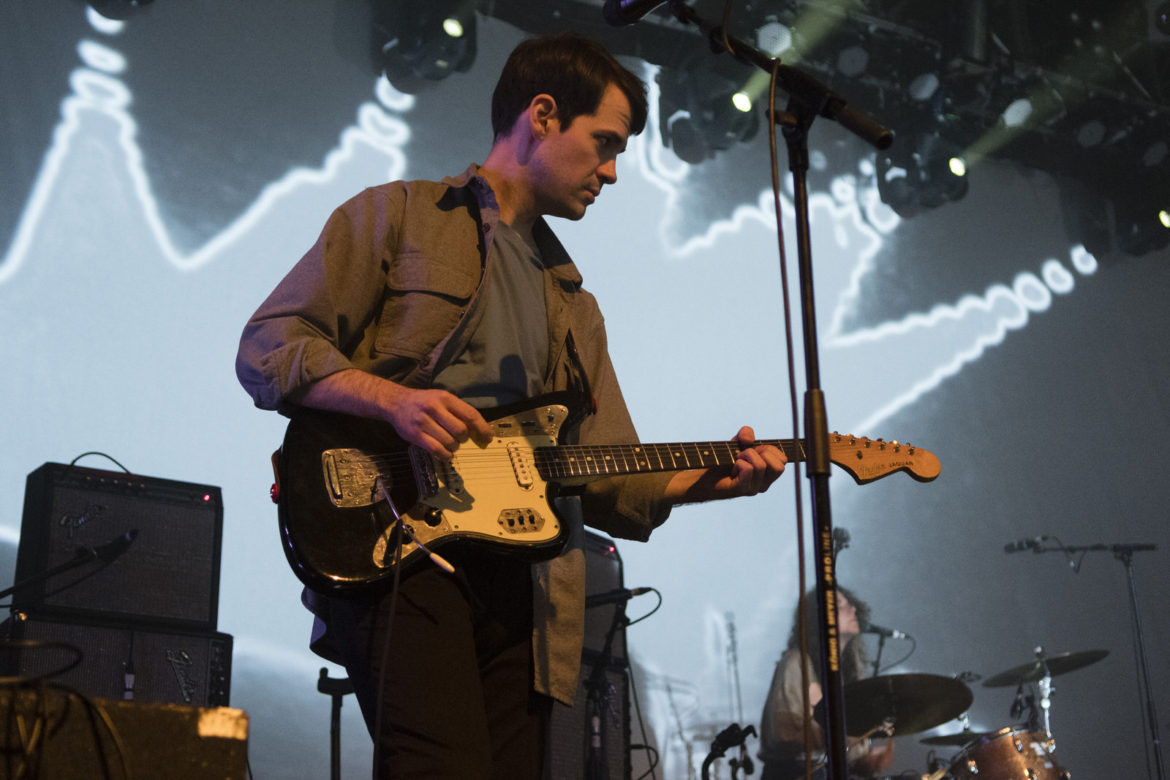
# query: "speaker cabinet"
603,574
168,575
167,666
71,740
579,750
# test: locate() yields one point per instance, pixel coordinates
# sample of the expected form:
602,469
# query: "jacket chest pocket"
424,301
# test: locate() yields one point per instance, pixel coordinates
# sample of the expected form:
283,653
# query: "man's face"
571,164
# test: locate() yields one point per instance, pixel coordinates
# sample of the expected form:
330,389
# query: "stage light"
1017,112
913,179
1162,18
773,38
1142,214
1141,231
424,41
702,111
453,27
852,61
118,9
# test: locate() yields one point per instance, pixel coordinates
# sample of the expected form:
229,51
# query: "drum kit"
903,704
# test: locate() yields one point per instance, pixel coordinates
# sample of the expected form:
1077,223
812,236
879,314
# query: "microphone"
619,595
619,13
111,549
1032,544
871,628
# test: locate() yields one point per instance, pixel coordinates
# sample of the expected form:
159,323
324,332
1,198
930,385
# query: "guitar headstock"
867,460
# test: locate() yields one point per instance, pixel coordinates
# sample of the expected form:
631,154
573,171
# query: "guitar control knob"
433,517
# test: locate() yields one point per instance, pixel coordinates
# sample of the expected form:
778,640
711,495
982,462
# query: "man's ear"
542,113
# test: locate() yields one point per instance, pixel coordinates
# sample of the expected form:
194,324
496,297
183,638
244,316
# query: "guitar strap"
577,383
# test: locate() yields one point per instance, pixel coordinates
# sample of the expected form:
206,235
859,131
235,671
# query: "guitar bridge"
351,478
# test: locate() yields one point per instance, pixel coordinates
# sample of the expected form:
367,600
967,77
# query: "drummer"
782,723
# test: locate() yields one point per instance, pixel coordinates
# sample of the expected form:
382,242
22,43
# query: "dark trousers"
456,696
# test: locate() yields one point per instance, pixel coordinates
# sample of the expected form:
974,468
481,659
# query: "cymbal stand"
808,99
1046,690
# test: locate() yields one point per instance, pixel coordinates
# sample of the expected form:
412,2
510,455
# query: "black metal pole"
808,99
1125,555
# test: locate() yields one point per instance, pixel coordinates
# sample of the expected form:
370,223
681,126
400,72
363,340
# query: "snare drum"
1008,754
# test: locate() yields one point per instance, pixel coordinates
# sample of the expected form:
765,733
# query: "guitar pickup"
425,477
521,461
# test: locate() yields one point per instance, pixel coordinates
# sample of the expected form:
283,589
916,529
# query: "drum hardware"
966,735
1041,671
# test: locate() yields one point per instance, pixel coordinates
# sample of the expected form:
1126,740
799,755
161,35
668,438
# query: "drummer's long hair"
854,659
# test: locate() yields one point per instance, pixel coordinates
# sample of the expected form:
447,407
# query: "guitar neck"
582,462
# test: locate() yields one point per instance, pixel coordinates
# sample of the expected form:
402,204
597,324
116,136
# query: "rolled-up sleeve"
314,319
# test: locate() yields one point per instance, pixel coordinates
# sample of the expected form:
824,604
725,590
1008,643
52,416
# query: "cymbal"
915,702
958,739
1034,670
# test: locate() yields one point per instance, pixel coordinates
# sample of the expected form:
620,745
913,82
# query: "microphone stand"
598,702
1124,553
877,661
82,556
808,98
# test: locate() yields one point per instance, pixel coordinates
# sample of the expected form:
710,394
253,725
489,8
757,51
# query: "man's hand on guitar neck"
434,420
754,471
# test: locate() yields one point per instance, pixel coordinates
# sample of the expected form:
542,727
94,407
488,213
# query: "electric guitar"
342,482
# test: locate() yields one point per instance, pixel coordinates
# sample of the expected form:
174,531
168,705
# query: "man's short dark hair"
574,70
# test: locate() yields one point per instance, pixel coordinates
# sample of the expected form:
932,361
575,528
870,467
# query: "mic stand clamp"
732,736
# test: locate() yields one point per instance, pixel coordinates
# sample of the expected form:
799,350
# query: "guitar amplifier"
168,574
603,685
603,574
168,667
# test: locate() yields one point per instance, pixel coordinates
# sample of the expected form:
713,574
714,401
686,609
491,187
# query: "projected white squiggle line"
95,89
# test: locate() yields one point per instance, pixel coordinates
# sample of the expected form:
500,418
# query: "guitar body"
335,472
